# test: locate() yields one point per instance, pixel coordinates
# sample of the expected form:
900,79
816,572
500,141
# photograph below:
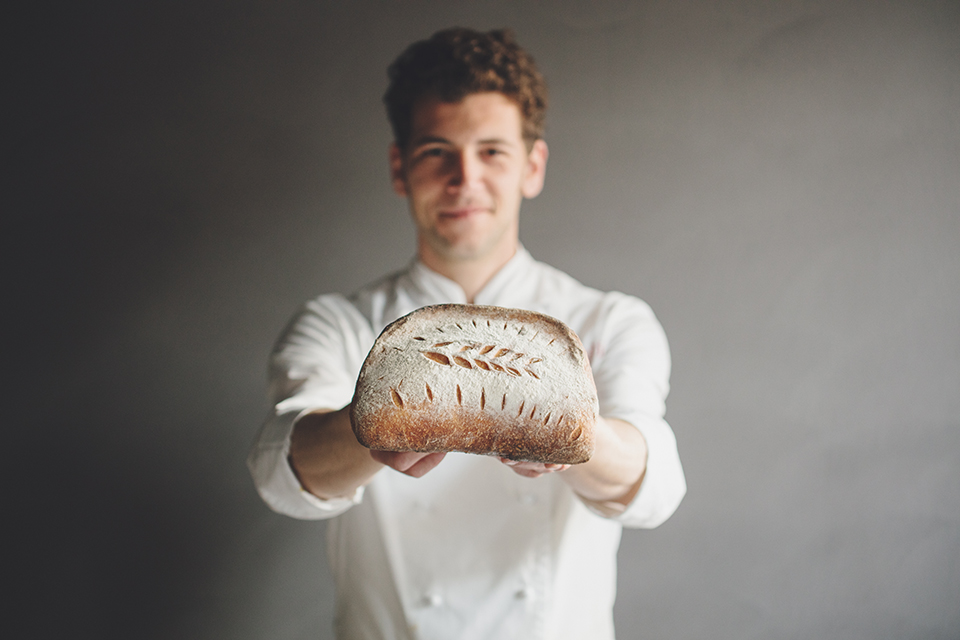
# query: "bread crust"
478,379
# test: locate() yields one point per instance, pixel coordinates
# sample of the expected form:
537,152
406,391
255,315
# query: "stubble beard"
458,249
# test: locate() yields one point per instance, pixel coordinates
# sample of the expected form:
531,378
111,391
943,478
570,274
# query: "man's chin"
476,252
460,251
467,248
463,254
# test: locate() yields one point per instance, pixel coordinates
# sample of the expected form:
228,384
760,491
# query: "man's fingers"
401,461
425,464
533,469
409,462
417,465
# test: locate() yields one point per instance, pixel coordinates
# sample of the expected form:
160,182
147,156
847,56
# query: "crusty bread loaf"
478,379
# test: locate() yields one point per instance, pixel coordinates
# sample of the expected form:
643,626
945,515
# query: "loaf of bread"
478,379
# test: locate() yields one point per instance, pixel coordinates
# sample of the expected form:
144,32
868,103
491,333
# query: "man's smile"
462,213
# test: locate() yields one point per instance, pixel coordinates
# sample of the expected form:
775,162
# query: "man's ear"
536,170
398,178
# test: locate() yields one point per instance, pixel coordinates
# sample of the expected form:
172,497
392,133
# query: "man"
455,545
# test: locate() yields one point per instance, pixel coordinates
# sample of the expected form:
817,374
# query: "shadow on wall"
107,552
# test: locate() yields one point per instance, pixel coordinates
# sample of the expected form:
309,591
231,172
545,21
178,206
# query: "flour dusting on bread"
478,379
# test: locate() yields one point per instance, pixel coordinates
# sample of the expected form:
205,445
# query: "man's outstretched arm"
613,475
330,463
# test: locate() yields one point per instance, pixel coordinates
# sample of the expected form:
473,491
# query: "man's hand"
409,462
417,465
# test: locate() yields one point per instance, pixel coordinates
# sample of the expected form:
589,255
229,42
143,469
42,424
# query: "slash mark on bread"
436,357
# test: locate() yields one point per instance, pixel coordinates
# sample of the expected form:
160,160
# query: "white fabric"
472,550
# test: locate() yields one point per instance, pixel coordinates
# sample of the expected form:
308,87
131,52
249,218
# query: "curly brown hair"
455,63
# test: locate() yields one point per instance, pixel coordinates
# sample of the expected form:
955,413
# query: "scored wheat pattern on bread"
477,379
488,357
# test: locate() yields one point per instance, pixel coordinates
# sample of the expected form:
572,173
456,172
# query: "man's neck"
471,274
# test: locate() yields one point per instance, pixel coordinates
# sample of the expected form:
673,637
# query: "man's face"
465,171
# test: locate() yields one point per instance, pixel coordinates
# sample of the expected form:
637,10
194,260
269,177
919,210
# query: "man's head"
467,110
455,63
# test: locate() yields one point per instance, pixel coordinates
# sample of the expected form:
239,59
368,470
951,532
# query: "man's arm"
613,475
326,457
330,463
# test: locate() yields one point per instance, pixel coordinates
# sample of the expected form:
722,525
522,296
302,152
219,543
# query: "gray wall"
778,179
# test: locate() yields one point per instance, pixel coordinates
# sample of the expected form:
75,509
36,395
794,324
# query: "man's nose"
466,171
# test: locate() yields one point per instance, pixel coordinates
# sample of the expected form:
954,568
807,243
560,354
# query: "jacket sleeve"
631,366
314,366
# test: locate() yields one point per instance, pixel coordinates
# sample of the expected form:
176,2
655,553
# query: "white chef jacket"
471,550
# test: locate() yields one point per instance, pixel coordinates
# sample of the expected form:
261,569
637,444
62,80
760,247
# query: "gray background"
778,179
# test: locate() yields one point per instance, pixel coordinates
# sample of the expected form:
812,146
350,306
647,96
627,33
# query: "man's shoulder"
555,281
558,285
358,300
324,315
380,286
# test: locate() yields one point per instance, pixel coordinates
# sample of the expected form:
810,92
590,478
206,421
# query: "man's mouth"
461,213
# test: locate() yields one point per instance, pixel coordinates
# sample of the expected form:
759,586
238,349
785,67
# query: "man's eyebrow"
422,140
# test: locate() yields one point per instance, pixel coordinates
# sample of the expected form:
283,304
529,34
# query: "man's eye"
435,152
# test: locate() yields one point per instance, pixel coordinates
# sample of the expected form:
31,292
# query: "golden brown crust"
478,379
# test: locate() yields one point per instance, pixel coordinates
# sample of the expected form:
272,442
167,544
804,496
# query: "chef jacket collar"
511,282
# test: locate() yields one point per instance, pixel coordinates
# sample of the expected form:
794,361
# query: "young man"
455,545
